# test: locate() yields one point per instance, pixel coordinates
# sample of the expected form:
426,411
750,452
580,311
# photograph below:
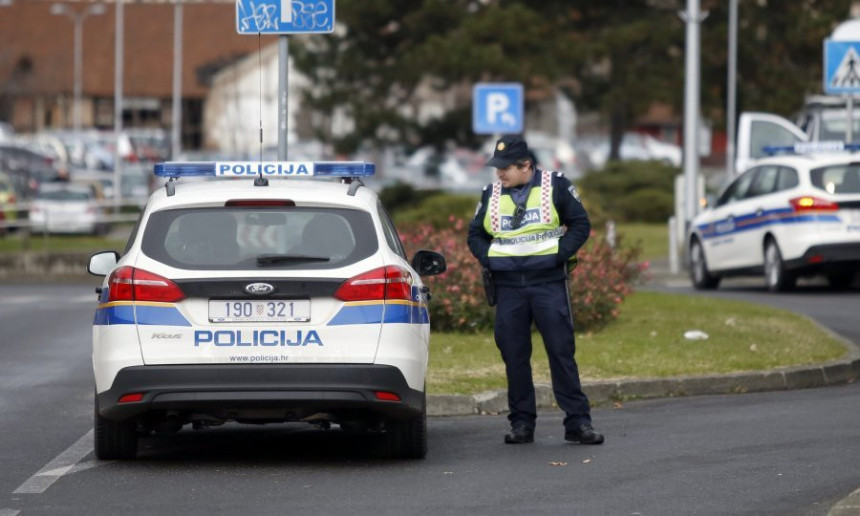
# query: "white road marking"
36,300
63,464
20,300
9,512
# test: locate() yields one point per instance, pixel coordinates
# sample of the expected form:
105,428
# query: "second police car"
785,217
259,301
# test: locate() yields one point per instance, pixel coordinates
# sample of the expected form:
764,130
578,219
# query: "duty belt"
529,239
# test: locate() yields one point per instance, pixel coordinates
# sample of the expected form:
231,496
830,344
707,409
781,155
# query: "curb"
848,506
37,265
605,392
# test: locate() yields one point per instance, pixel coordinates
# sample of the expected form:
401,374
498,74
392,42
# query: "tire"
113,440
699,274
776,278
407,438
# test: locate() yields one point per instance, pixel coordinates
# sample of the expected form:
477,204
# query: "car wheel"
840,281
776,277
113,440
699,273
407,438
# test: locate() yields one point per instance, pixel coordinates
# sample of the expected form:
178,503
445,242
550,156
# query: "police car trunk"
283,296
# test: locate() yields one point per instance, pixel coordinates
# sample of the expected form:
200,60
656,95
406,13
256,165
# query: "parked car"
262,300
634,147
785,217
552,154
64,207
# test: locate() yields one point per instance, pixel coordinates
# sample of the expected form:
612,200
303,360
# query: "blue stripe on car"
750,221
375,313
148,315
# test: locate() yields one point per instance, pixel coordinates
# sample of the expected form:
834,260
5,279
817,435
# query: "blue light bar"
175,169
821,147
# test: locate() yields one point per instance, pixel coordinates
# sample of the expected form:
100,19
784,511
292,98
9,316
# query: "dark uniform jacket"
571,214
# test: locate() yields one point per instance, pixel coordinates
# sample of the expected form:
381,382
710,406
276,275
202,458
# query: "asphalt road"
793,452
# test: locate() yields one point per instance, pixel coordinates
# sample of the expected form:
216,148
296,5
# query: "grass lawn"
653,238
648,341
59,243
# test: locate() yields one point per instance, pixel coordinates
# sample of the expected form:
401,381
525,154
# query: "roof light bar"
811,148
174,169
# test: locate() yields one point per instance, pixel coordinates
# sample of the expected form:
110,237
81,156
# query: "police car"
254,300
787,216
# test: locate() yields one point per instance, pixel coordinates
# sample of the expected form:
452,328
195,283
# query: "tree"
372,68
617,57
780,53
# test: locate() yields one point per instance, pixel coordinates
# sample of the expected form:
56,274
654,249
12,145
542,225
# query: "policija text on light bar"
266,168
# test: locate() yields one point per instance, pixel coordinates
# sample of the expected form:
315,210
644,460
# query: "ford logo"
259,289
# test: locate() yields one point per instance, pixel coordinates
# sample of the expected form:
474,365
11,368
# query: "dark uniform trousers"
548,306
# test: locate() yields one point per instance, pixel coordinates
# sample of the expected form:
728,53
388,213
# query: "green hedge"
630,191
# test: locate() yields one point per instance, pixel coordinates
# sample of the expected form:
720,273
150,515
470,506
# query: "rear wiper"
269,259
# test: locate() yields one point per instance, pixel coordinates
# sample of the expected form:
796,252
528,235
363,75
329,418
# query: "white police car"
259,301
785,217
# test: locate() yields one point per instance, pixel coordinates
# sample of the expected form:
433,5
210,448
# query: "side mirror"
429,263
102,263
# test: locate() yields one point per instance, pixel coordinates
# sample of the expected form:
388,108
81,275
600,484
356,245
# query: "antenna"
260,180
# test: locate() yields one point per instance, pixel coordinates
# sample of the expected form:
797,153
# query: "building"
37,65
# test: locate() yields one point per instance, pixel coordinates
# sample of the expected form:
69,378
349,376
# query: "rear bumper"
828,259
234,391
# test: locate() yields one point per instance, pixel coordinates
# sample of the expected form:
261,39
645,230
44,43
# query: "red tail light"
130,284
386,396
809,203
389,282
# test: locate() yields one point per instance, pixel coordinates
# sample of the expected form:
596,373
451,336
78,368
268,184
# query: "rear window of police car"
837,179
233,238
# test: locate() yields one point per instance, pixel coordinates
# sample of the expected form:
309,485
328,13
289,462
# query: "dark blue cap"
509,149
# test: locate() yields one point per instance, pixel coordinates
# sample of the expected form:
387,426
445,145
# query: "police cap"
509,149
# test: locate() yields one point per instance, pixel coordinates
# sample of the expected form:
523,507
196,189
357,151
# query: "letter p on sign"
497,104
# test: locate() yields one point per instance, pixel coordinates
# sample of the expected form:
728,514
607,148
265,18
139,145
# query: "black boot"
519,434
584,434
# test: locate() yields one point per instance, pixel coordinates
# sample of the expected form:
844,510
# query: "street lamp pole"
78,21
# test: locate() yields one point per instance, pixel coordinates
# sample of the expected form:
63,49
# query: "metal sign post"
284,17
693,18
842,69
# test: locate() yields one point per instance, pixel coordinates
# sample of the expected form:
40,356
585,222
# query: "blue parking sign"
497,108
284,16
841,66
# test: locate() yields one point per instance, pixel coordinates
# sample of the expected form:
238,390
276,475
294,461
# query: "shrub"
437,210
599,283
625,191
647,205
401,196
603,277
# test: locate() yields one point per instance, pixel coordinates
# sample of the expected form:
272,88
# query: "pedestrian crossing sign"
841,66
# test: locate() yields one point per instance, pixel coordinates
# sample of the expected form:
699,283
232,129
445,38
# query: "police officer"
526,231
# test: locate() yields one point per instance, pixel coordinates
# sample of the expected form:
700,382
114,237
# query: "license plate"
271,310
